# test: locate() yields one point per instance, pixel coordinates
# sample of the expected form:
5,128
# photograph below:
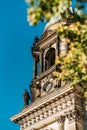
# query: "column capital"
41,50
60,119
74,116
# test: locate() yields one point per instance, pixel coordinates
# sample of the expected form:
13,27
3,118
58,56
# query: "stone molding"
56,103
41,76
43,101
43,44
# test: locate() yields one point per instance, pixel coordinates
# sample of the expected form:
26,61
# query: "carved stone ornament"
60,119
35,93
75,116
47,86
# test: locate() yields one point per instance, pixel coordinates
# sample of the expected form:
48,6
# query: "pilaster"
74,120
35,67
60,123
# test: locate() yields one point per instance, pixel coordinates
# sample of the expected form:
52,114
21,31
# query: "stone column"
74,120
66,123
60,122
41,61
35,67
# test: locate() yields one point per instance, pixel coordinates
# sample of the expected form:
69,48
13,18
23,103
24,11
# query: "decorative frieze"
60,103
64,105
69,102
50,112
41,116
45,113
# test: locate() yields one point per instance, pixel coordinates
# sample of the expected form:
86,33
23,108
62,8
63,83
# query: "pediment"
47,34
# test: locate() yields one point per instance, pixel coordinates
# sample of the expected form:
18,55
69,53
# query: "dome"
52,21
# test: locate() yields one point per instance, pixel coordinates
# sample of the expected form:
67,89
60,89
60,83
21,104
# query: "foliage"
74,64
43,10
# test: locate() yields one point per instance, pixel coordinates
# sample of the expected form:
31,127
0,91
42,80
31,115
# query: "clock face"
47,86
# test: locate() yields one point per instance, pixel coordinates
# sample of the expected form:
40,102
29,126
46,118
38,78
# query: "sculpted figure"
26,97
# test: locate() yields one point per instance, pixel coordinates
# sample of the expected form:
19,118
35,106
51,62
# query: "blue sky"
16,62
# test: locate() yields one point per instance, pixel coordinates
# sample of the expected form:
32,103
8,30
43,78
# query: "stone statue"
36,39
26,97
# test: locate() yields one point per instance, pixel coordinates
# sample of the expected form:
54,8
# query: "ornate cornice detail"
47,72
75,116
49,39
53,104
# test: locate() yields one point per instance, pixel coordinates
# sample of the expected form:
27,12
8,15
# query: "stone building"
55,105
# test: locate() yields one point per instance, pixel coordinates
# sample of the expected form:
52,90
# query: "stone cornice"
45,73
48,42
44,44
47,39
52,98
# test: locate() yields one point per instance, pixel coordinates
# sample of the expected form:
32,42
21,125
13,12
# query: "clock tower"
55,105
45,51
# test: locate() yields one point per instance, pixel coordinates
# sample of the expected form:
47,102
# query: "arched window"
50,58
36,66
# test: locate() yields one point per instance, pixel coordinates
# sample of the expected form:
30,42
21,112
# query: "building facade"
55,105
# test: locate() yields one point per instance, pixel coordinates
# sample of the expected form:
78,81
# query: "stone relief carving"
34,92
60,119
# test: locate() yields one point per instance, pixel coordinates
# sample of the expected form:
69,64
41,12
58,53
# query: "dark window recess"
50,58
58,68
